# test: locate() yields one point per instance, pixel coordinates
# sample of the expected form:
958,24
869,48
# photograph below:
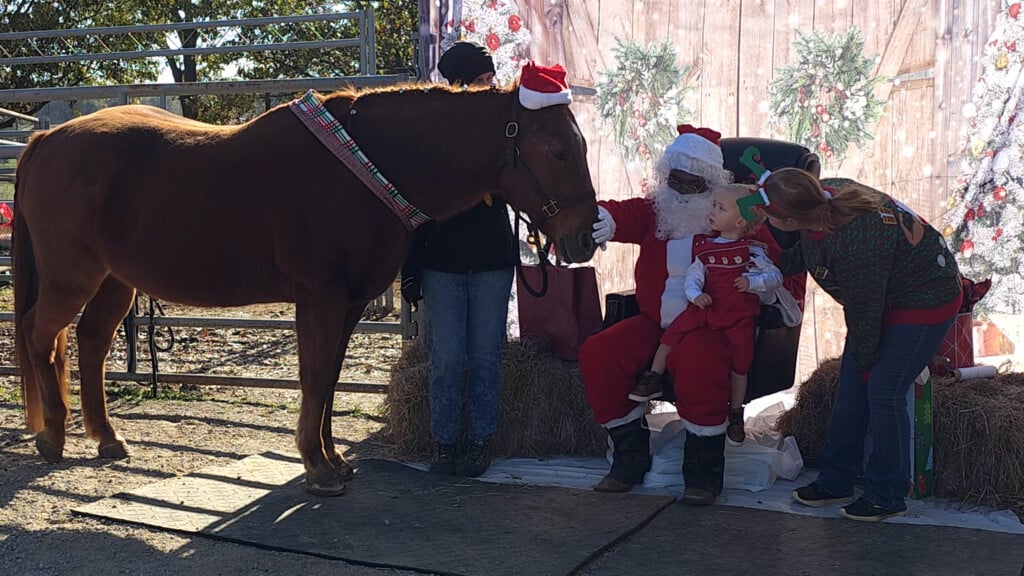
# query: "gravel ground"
184,431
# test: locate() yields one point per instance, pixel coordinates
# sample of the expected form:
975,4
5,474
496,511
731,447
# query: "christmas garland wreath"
825,100
641,98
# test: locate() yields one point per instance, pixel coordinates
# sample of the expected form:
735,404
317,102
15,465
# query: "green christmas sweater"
885,267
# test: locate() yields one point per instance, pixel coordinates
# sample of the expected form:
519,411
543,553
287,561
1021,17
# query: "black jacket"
478,240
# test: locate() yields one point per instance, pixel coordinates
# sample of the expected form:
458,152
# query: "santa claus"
664,224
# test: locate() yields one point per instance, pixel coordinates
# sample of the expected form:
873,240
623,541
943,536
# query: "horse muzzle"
577,249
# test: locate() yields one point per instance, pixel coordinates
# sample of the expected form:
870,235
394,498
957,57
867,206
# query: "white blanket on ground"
584,473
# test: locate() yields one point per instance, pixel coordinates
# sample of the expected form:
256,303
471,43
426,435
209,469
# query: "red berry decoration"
969,215
514,23
1014,10
493,42
967,248
999,193
820,109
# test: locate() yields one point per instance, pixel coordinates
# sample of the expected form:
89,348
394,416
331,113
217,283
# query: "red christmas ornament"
998,234
823,147
1014,10
967,248
514,23
493,4
999,193
820,109
969,215
493,42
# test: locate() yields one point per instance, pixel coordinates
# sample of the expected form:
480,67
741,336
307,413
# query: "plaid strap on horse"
333,135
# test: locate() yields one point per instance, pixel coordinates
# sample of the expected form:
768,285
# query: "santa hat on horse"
542,86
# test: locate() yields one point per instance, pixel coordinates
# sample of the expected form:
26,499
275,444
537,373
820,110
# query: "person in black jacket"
463,269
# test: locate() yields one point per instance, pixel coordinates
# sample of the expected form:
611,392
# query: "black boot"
631,457
703,468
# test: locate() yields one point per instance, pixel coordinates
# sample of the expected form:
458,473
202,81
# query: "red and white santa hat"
697,151
543,86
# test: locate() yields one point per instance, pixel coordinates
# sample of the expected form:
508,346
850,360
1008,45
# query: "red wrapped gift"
958,345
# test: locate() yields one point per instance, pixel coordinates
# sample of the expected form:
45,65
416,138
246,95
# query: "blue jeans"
466,327
881,406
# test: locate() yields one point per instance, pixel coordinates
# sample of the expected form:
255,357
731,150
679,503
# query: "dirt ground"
179,433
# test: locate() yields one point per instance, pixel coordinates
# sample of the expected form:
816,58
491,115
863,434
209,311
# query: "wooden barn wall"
931,46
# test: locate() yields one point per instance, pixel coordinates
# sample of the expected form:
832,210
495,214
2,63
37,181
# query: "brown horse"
132,197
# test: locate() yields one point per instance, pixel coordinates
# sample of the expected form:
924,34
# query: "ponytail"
798,195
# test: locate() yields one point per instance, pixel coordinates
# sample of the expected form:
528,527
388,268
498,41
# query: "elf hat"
542,86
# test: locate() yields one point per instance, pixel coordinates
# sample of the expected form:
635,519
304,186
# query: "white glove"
604,228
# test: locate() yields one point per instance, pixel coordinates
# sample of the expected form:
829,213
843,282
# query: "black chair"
777,345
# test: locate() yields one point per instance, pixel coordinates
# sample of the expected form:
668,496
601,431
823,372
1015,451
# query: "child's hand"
742,284
702,301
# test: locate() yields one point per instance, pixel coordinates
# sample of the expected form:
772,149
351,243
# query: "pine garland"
825,100
641,98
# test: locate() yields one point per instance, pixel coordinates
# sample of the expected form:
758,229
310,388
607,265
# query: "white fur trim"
676,159
633,414
705,430
678,256
534,100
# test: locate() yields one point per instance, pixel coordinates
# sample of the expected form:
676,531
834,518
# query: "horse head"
547,176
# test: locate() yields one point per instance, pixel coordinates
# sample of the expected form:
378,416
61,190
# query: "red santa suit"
611,360
717,264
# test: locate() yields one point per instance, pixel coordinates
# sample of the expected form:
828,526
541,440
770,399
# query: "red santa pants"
738,333
611,360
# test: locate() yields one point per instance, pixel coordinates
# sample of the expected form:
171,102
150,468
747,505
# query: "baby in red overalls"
728,271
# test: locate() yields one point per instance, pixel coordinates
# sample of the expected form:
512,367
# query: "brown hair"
797,194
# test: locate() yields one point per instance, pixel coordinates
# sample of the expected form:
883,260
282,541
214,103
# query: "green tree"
396,22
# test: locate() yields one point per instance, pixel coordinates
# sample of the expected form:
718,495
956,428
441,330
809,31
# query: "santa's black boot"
631,457
703,468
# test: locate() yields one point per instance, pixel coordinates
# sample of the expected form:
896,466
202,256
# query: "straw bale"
978,433
543,409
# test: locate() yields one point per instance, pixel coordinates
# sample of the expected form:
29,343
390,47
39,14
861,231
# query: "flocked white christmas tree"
986,220
497,25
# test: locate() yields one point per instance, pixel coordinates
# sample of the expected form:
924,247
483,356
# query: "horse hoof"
329,488
50,450
345,471
117,450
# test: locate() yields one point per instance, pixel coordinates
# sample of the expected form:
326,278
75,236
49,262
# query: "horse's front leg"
320,320
352,317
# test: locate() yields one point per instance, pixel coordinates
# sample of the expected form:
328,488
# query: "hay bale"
979,441
543,409
978,434
807,421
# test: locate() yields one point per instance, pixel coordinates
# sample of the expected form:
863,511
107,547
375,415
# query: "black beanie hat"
463,62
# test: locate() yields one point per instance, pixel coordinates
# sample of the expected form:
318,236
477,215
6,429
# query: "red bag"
566,309
958,345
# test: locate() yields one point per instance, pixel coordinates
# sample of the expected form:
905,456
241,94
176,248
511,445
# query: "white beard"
680,215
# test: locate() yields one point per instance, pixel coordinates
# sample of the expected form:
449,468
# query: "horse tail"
26,291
